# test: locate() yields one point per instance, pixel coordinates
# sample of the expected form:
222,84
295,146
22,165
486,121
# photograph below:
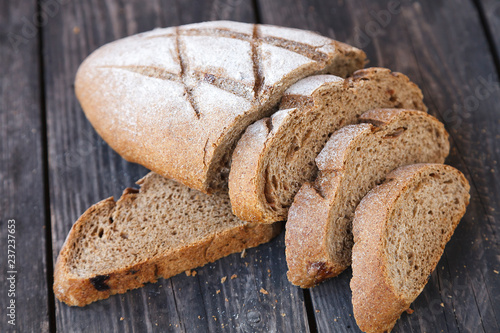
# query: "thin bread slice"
276,155
355,159
400,231
176,100
158,231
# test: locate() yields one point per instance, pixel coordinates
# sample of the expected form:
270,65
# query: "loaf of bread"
275,156
161,230
177,99
356,158
400,231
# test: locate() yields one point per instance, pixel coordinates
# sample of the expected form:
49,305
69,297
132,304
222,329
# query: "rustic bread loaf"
318,233
158,231
400,231
176,100
276,155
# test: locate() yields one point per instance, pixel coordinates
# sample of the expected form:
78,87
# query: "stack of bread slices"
247,125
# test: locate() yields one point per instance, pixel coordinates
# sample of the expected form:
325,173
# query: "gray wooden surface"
22,175
53,165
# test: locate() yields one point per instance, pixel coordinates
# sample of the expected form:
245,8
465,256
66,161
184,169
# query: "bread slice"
176,100
400,231
158,231
276,155
318,233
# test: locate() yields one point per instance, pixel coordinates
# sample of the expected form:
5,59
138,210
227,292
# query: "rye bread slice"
161,230
400,231
176,99
355,159
276,155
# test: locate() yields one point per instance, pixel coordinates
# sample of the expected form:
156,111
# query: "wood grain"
21,171
490,12
84,170
442,47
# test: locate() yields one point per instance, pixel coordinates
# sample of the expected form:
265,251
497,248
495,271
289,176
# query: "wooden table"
54,165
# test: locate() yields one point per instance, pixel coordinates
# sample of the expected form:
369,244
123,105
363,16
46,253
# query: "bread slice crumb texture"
161,230
354,160
276,155
164,216
400,231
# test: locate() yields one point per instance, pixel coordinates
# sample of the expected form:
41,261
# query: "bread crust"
376,302
176,100
308,228
76,290
306,237
250,158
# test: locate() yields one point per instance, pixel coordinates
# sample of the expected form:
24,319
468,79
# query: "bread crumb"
495,271
318,311
188,272
269,271
442,305
246,264
214,318
334,319
226,299
283,314
234,276
264,291
121,318
409,311
243,253
199,317
217,292
223,279
76,30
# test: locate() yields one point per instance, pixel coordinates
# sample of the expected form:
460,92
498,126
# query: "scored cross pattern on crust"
227,84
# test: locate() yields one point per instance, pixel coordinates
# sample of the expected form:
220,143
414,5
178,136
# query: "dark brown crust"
376,303
306,231
246,158
246,178
80,291
305,243
246,190
305,239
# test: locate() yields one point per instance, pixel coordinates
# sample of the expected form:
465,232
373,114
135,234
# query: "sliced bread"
355,159
400,231
176,100
275,156
158,231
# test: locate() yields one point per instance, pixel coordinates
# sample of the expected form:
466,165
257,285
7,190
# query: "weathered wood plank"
442,47
83,170
21,174
490,9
